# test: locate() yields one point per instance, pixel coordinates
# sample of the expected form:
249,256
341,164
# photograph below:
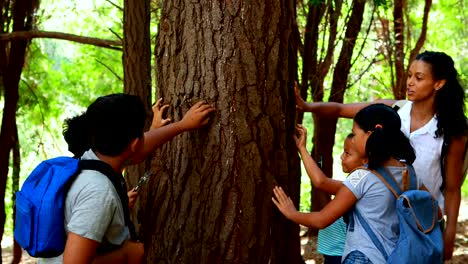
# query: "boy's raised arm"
196,117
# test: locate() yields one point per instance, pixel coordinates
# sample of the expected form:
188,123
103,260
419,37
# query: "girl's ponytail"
76,134
386,140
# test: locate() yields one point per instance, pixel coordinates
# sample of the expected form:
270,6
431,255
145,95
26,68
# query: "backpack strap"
371,233
387,178
119,185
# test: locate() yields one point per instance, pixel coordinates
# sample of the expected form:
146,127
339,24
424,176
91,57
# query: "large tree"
210,201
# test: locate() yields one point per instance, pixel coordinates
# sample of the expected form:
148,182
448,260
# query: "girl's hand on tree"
283,202
301,105
300,136
197,116
158,113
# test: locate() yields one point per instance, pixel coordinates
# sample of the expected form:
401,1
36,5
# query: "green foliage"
370,77
61,78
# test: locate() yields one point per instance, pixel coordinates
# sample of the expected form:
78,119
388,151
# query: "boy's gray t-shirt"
378,206
93,210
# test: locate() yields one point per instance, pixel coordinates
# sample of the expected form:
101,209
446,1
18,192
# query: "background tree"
399,44
211,199
137,73
19,20
322,40
14,16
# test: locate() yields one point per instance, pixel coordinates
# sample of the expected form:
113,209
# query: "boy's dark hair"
108,126
450,99
386,140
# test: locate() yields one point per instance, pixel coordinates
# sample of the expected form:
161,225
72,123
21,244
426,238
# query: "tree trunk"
211,199
399,52
137,75
314,69
325,128
11,65
396,51
17,251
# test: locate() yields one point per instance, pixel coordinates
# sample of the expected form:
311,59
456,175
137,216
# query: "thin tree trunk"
211,201
399,53
12,58
315,69
137,75
325,128
17,251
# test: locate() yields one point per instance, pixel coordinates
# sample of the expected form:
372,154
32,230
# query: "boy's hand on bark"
197,116
159,111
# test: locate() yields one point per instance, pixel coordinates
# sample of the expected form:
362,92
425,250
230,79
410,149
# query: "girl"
434,116
378,138
330,240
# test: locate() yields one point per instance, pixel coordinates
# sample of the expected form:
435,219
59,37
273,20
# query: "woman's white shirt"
428,150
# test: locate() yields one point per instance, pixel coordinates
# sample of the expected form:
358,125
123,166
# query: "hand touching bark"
158,113
300,136
283,202
197,116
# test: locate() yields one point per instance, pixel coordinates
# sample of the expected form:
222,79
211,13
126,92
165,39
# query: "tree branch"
109,68
105,43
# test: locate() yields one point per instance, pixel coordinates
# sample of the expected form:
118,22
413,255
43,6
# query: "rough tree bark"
211,199
137,74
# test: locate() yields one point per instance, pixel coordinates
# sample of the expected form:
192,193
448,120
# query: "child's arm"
316,175
83,250
344,201
196,117
333,109
158,112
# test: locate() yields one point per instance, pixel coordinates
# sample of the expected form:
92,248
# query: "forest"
210,198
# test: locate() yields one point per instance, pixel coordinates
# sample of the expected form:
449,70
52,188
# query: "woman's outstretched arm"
333,109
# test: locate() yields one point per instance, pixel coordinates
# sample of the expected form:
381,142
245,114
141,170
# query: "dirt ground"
309,252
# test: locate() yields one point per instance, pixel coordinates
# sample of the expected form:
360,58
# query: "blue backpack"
420,239
39,227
